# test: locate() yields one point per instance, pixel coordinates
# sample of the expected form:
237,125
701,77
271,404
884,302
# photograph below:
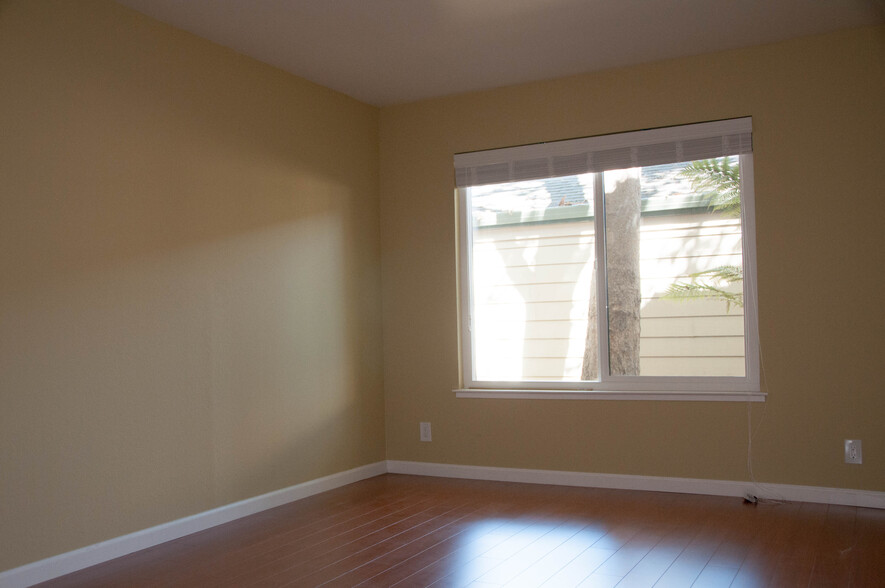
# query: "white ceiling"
392,51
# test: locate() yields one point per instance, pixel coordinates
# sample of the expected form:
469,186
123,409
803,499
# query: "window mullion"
601,280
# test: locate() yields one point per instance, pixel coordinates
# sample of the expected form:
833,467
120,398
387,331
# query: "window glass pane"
674,270
532,279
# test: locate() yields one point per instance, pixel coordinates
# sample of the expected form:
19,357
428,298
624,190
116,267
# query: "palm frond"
698,289
725,273
719,180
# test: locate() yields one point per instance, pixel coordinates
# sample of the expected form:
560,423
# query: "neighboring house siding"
532,283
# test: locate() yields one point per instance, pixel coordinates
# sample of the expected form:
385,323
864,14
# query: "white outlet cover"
853,451
425,432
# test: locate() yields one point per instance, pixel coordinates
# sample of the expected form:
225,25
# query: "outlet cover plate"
425,432
853,451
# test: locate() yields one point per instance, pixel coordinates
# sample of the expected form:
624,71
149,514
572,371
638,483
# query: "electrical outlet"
853,451
425,431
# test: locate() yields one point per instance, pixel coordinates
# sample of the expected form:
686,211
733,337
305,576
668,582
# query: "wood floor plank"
542,570
581,567
500,554
835,554
532,553
600,581
471,535
449,527
629,554
409,531
719,535
322,536
651,567
715,577
465,553
869,564
684,551
313,561
779,526
796,560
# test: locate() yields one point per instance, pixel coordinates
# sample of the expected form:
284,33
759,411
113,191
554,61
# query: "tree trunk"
590,367
622,215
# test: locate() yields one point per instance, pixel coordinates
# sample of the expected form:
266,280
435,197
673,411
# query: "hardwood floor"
409,531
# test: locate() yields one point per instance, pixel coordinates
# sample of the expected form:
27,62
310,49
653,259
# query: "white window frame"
610,386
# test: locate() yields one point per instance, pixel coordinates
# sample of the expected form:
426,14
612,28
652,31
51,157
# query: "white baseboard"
72,561
863,498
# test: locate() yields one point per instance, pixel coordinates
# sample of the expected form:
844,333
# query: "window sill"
610,395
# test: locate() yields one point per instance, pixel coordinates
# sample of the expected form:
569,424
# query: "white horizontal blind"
605,152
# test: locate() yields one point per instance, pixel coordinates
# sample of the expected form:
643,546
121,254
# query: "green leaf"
705,285
719,180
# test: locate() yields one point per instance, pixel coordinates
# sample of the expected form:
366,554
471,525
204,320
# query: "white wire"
751,433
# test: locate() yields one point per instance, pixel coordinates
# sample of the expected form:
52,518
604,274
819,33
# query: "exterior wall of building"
531,296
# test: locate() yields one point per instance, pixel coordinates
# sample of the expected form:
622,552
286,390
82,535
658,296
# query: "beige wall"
189,277
819,122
